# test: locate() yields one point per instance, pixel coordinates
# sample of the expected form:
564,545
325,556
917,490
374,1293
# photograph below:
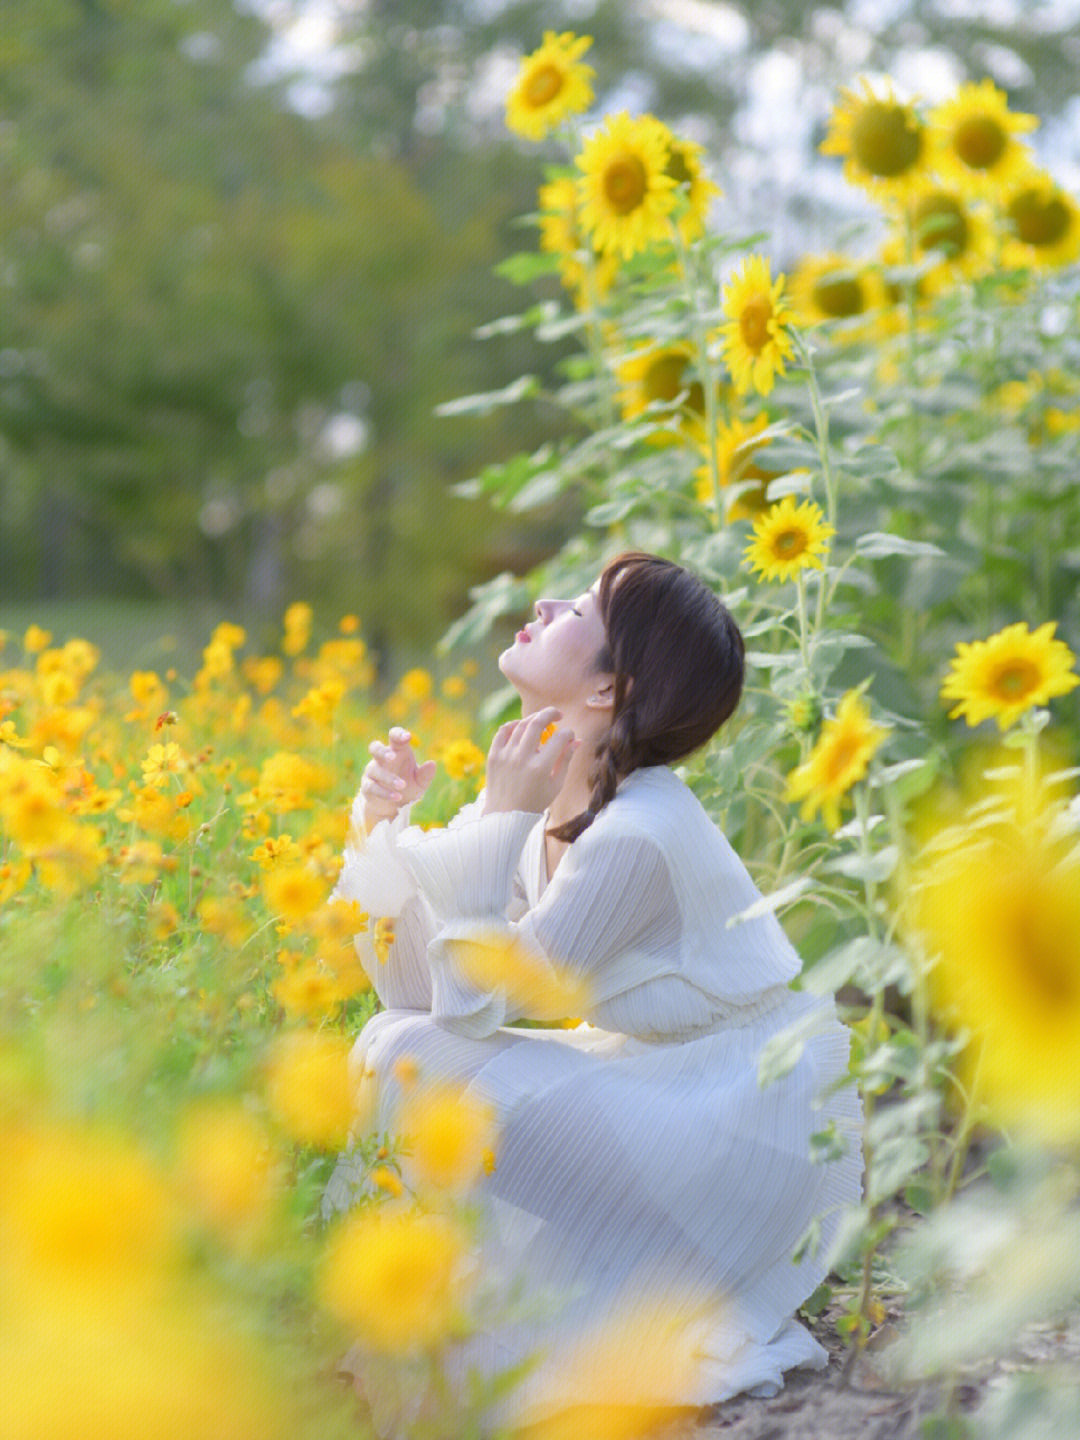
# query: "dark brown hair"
677,657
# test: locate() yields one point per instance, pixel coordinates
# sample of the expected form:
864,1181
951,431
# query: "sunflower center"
754,322
663,379
979,141
885,139
1049,966
625,184
789,544
940,224
1015,679
543,85
1038,220
838,296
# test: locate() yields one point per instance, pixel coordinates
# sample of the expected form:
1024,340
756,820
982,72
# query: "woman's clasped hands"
525,771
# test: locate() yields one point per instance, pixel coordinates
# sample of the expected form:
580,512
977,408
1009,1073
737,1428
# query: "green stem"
709,379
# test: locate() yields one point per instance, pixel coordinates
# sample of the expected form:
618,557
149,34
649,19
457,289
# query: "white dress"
638,1156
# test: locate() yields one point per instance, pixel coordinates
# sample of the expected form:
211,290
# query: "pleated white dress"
638,1156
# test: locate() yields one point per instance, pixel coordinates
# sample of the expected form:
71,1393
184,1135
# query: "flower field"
875,462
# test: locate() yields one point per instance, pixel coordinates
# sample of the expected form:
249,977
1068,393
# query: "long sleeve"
480,857
601,927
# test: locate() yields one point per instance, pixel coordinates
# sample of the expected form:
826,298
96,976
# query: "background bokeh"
244,248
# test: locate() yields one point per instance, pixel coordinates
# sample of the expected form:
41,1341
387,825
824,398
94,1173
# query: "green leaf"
526,266
522,388
817,1301
877,544
872,869
766,904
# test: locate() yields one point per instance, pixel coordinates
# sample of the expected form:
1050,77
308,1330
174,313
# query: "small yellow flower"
844,749
293,891
756,342
298,618
882,139
627,195
394,1279
36,639
448,1133
307,1087
226,1167
275,850
1009,673
161,762
788,537
461,758
551,84
382,937
534,987
416,685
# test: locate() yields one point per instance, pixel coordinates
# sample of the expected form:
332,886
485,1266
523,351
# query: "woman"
638,1158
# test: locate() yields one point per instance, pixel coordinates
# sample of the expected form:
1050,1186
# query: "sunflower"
974,137
1044,222
737,446
684,167
1008,674
657,375
882,139
755,342
551,84
844,749
581,269
944,225
627,195
995,903
833,287
788,537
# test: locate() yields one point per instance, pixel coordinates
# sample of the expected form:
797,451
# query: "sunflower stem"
709,379
821,439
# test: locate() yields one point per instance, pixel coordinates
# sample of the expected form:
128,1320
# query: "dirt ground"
817,1405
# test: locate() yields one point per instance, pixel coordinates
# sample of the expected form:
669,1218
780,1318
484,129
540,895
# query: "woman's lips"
524,637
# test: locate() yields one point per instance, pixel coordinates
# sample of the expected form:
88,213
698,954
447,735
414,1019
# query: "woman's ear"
602,696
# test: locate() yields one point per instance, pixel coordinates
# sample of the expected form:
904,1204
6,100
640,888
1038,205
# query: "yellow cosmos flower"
882,140
552,83
533,986
996,904
227,1167
844,749
161,762
974,137
684,167
1008,674
293,891
396,1280
448,1133
627,195
36,639
416,685
788,537
297,625
307,1087
460,758
755,343
1044,222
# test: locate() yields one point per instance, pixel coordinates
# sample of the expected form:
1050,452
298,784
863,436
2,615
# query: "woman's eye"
575,612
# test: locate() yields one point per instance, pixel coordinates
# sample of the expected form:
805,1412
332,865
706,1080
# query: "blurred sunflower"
995,901
1009,673
737,445
832,287
788,537
882,139
684,167
974,137
1044,222
551,84
627,196
656,375
945,226
581,270
844,749
755,341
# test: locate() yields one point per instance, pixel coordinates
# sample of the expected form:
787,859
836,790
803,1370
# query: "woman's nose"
543,610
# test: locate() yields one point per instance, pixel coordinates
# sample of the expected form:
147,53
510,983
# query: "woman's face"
553,659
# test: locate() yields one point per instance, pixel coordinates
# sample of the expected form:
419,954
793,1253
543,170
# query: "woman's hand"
522,774
392,778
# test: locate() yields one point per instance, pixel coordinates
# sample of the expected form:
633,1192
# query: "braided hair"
677,658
